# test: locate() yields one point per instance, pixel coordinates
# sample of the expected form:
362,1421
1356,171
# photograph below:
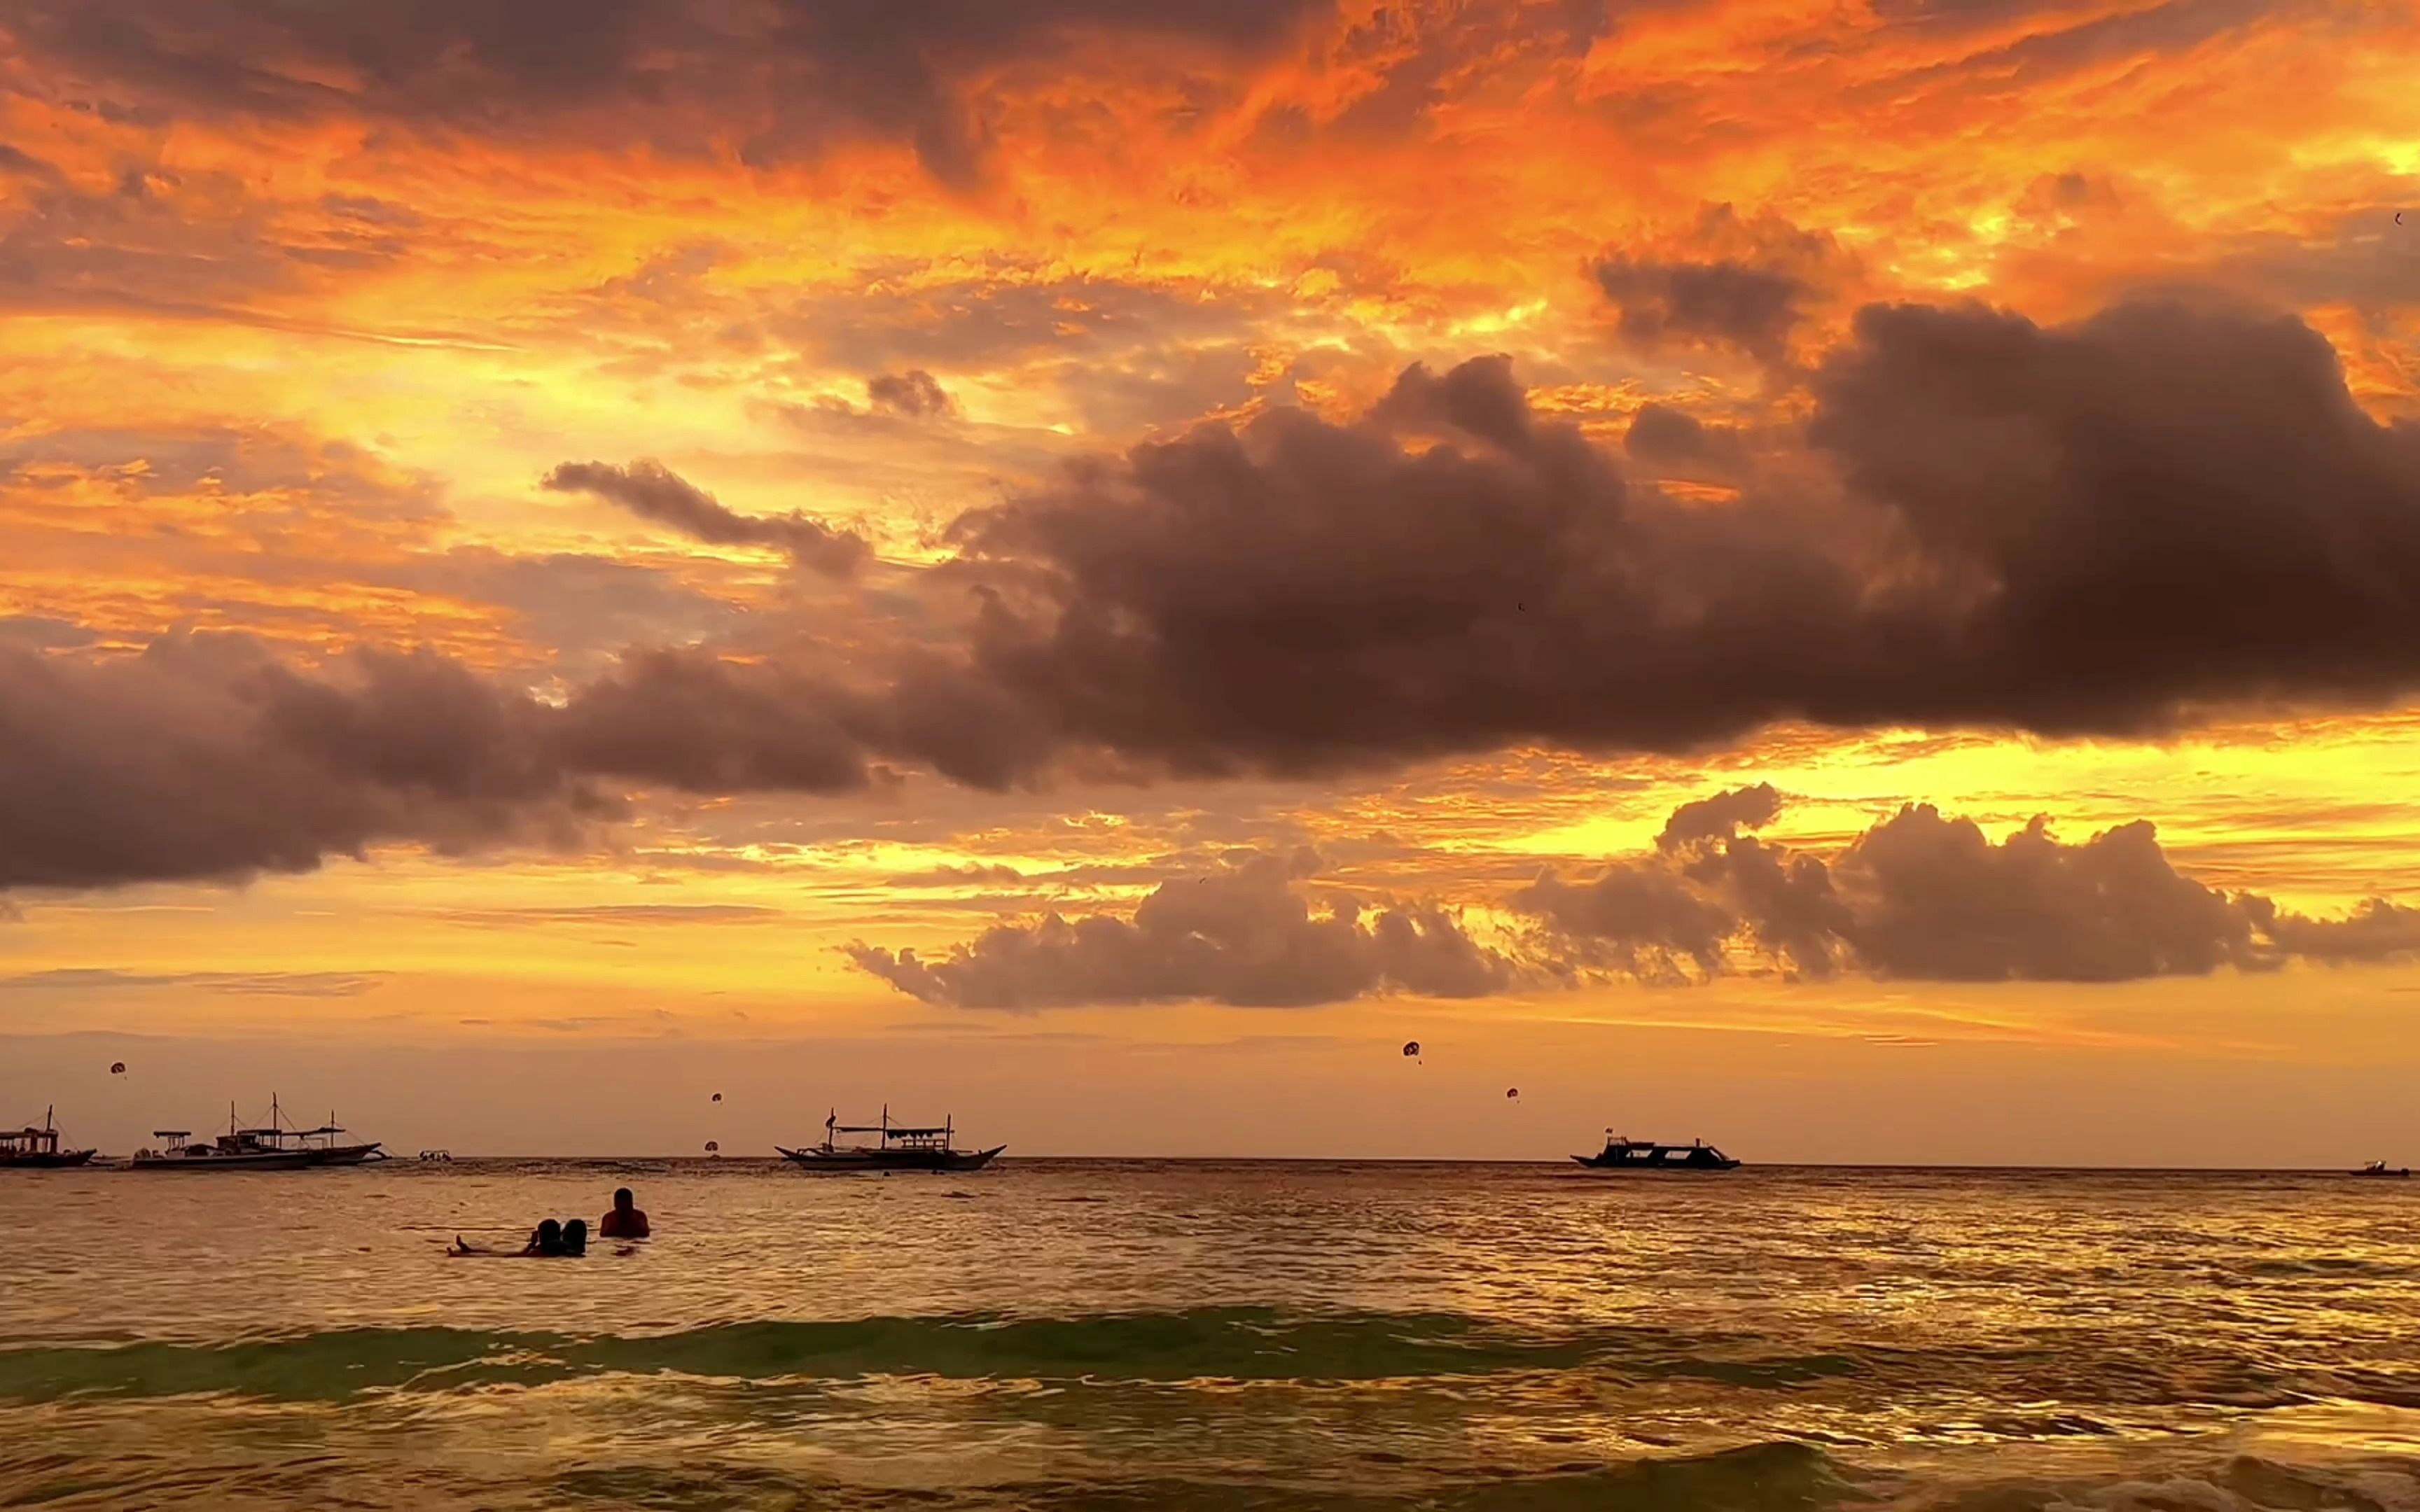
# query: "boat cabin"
1696,1155
29,1142
893,1136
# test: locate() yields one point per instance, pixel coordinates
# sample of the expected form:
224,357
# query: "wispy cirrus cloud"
231,983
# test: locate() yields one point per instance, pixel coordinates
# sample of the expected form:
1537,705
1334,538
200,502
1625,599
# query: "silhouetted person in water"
575,1237
546,1241
627,1220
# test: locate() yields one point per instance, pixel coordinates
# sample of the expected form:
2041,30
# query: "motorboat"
2377,1167
898,1147
1621,1153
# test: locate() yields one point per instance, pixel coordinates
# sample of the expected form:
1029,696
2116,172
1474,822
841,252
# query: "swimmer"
627,1220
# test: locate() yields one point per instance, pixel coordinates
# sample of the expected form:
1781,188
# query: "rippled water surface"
1099,1333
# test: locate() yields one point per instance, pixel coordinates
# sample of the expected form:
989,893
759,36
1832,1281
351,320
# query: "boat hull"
61,1161
845,1161
1598,1163
283,1160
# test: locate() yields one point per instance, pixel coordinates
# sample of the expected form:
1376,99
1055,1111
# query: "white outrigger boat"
900,1148
279,1147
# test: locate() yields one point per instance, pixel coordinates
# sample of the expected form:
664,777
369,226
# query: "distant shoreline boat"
900,1148
32,1148
1625,1154
276,1148
2377,1167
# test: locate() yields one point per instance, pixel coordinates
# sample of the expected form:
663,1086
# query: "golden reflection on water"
1158,1331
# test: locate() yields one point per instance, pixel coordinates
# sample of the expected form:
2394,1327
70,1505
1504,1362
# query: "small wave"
1211,1343
2246,1483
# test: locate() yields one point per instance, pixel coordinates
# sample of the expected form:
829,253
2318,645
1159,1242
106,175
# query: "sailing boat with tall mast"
277,1146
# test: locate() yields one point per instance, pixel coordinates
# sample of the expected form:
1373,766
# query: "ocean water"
1105,1334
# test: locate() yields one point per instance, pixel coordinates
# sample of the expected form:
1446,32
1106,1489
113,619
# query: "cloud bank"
2113,527
1918,897
1243,937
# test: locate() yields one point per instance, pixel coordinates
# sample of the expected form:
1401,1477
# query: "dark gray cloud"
652,491
1639,920
1923,897
1751,308
2376,929
1731,280
2113,527
914,394
1673,442
206,758
798,76
2101,528
1244,936
1722,814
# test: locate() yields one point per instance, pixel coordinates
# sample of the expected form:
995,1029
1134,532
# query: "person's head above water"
575,1237
550,1236
623,1199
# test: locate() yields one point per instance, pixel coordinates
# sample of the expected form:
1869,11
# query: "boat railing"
931,1137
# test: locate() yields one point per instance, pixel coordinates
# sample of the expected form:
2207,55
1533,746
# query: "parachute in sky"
117,1067
1514,1092
718,1097
712,1148
1411,1047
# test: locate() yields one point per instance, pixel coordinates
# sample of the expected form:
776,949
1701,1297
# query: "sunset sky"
1840,578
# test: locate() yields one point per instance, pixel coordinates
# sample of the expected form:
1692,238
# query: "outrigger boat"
39,1148
2377,1167
901,1148
1623,1154
279,1147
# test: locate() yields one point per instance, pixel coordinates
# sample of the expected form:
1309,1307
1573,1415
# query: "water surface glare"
1105,1333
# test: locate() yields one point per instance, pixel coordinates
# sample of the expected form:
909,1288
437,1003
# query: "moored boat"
1625,1154
278,1147
899,1148
32,1148
2377,1167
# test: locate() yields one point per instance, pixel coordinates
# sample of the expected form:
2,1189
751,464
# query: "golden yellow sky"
1105,564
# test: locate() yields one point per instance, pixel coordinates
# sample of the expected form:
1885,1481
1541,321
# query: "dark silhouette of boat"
278,1147
1625,1154
32,1148
2377,1167
900,1148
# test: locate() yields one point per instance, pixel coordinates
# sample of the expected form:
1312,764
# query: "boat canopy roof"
171,1133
